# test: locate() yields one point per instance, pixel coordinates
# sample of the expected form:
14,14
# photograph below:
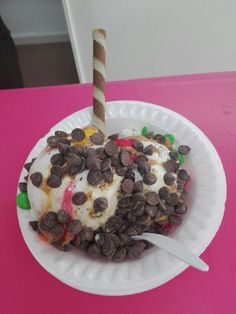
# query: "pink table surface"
27,114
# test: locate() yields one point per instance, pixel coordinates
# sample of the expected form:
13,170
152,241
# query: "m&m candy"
22,200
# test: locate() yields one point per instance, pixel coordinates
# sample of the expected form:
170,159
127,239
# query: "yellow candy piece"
88,132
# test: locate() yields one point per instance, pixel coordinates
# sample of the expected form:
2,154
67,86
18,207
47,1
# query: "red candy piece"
43,238
168,226
63,237
133,156
123,142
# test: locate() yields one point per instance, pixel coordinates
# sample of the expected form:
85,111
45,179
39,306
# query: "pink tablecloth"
25,115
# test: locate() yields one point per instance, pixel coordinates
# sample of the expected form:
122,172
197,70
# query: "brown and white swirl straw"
99,56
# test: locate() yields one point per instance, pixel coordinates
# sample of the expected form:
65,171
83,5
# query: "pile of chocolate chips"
137,211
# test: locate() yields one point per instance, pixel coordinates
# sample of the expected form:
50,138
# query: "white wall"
34,21
155,37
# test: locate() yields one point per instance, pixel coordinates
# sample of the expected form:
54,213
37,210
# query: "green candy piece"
180,158
170,137
144,131
22,200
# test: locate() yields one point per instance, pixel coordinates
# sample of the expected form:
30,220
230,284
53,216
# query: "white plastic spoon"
175,248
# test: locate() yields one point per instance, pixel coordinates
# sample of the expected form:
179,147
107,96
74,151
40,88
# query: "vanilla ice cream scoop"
44,198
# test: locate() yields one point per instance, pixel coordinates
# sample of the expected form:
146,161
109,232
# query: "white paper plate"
206,207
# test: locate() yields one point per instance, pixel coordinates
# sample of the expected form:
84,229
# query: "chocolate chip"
138,186
63,216
119,254
161,206
27,166
125,240
93,163
107,176
36,178
62,140
144,168
113,224
87,234
121,171
150,210
124,202
131,231
113,137
144,220
141,158
173,199
68,247
106,164
57,170
138,198
148,150
94,177
138,210
90,152
127,186
74,226
52,141
84,246
78,134
130,175
23,186
100,153
131,218
135,251
57,159
94,250
57,231
180,183
169,179
79,198
160,138
169,209
100,204
184,149
175,219
183,175
114,238
42,226
74,169
150,135
76,241
170,165
164,193
115,162
26,178
108,247
99,238
121,212
50,219
125,158
53,181
174,155
60,133
149,178
138,146
111,148
34,225
73,159
152,198
97,138
77,150
180,208
63,148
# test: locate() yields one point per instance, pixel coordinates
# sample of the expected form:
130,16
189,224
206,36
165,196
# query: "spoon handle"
175,248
